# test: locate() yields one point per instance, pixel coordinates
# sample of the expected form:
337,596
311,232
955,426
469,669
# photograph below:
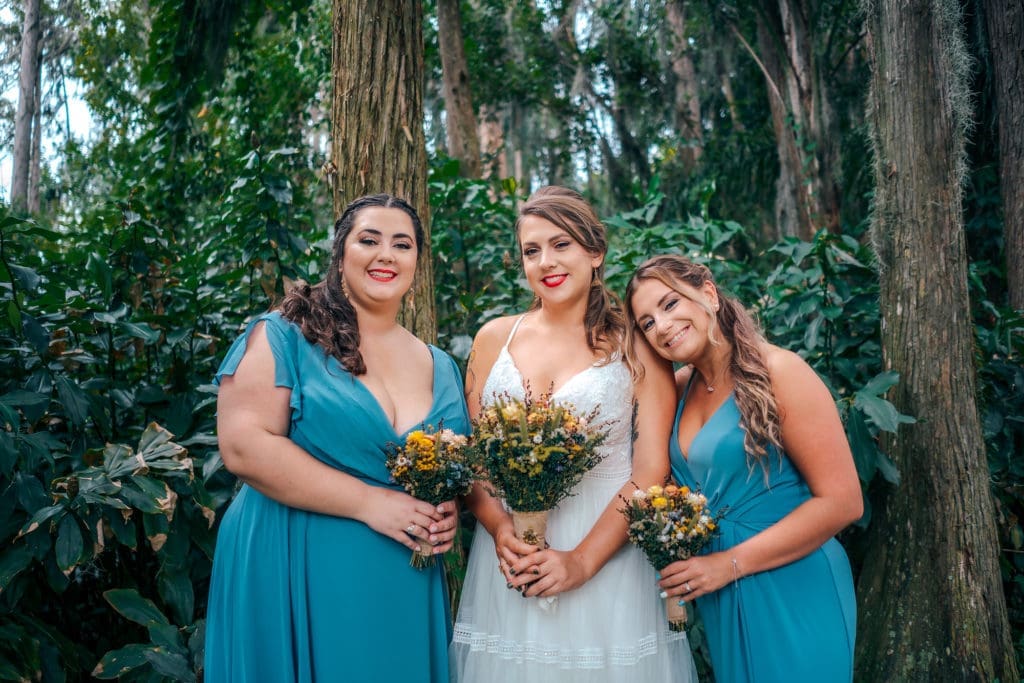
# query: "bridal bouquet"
534,451
669,523
433,467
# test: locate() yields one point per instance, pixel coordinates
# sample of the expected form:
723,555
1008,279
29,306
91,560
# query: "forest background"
852,171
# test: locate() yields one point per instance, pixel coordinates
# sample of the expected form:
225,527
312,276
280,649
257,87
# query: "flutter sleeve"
284,339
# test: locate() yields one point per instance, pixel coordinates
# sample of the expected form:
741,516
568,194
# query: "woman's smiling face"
380,256
557,267
674,324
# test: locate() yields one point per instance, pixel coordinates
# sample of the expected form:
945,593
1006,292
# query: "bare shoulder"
493,333
794,382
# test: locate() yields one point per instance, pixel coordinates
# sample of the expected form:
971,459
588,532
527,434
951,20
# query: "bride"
607,622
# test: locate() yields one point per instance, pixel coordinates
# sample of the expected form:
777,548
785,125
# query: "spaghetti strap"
513,332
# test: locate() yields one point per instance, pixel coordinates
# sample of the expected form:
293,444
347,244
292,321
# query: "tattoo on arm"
634,429
470,375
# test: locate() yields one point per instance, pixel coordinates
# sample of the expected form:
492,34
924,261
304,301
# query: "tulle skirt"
612,628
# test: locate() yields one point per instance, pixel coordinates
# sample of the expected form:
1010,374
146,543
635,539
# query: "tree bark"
492,143
1004,20
463,143
687,91
35,166
377,116
931,599
28,76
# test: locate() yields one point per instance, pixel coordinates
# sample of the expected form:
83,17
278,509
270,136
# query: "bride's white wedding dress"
613,627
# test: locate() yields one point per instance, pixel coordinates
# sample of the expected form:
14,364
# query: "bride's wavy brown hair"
604,319
752,387
322,311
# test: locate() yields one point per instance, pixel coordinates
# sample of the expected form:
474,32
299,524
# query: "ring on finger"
411,529
686,585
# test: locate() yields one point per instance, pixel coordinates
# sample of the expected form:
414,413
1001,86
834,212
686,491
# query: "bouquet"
669,524
431,466
534,452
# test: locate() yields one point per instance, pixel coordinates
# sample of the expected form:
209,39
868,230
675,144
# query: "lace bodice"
607,387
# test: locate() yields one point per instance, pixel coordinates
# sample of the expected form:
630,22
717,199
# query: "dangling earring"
595,278
344,287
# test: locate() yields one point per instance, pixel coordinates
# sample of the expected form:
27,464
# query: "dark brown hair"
322,311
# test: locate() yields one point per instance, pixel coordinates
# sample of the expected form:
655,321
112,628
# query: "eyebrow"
555,238
378,233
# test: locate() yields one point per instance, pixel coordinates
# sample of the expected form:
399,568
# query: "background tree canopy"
736,132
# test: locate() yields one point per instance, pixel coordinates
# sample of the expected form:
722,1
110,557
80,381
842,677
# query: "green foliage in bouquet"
534,451
432,465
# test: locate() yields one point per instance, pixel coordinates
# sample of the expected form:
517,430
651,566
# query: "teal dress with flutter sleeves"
302,596
792,624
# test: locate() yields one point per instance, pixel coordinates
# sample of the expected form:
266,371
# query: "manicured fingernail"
440,508
681,603
433,539
509,585
662,594
511,571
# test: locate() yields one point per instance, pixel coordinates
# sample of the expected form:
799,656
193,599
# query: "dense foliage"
200,197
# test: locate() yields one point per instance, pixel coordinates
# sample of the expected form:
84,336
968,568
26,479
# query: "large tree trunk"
27,79
492,142
377,117
35,166
460,127
1004,20
932,604
687,92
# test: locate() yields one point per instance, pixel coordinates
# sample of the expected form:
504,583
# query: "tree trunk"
1004,20
35,166
28,76
492,143
687,92
377,113
931,600
460,126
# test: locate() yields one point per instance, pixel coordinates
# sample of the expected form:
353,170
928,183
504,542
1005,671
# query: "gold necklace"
710,386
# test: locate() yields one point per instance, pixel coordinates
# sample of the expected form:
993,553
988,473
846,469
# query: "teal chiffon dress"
794,623
301,596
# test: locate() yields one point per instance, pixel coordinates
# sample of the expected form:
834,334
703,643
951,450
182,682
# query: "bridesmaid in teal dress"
311,577
756,431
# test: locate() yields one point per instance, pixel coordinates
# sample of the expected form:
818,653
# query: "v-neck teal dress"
794,623
301,596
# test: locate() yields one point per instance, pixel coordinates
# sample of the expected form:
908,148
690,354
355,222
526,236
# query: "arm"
560,571
487,509
253,417
813,437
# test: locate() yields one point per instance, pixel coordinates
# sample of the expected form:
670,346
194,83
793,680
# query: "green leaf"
881,383
118,662
170,664
176,590
74,400
69,546
20,398
882,413
862,445
143,332
28,279
40,517
132,606
13,560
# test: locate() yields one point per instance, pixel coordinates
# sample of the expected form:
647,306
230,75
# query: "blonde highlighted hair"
759,414
604,319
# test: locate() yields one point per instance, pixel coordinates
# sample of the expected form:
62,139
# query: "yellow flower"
659,502
655,491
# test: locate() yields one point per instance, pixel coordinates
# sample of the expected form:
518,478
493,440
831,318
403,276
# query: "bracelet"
736,574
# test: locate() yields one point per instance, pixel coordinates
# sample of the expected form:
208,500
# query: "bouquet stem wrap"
675,613
423,557
531,527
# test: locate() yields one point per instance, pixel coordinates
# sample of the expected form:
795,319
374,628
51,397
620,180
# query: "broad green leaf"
74,400
19,398
13,560
40,517
132,606
170,664
882,413
881,383
862,445
69,545
176,590
143,332
118,662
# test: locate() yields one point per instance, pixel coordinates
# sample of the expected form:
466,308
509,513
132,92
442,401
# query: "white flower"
639,494
537,439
